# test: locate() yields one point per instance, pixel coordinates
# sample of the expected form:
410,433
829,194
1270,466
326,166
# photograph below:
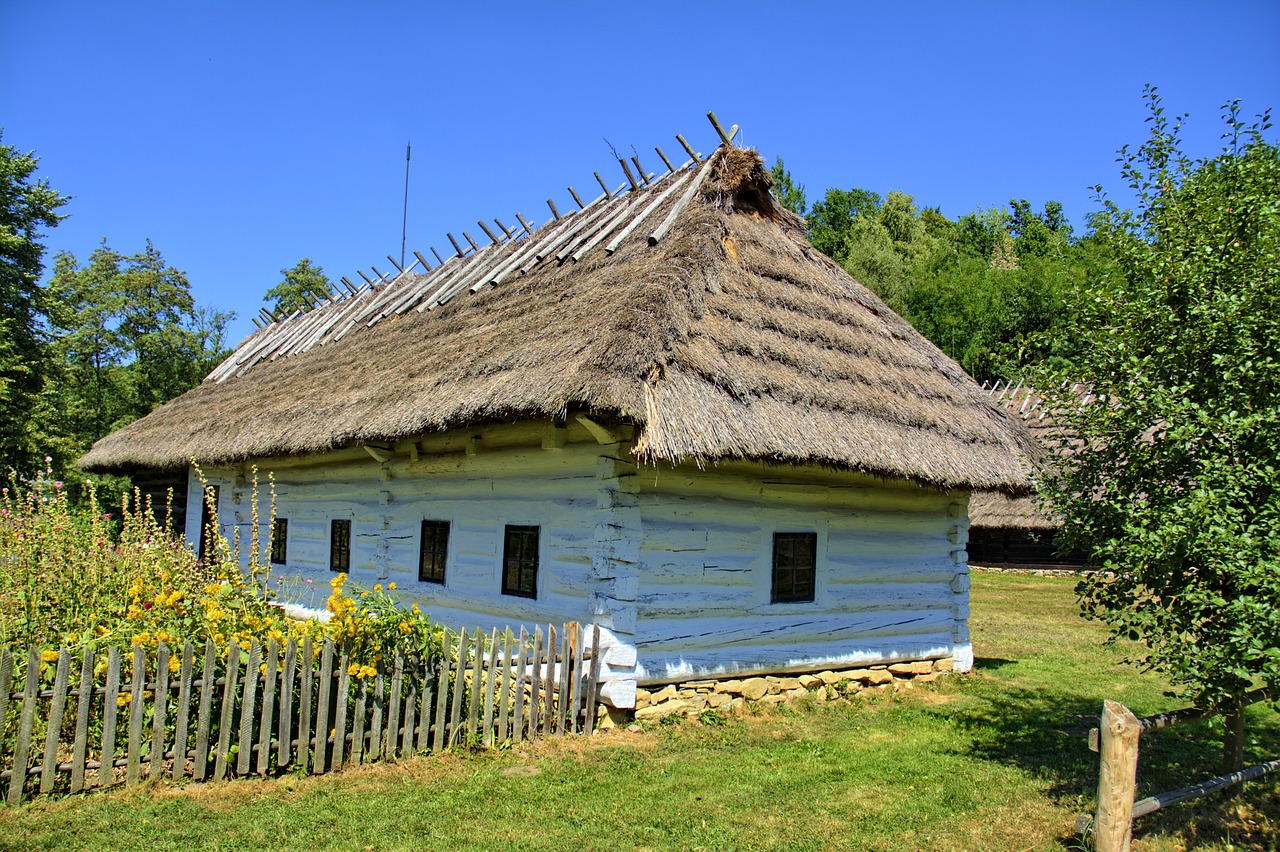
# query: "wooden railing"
259,710
1116,741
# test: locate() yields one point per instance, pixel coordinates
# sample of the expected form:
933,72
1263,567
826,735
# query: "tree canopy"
1175,487
304,285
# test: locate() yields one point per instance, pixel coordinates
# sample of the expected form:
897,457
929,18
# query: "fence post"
1117,779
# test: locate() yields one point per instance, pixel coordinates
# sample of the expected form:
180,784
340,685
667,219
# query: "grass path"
974,762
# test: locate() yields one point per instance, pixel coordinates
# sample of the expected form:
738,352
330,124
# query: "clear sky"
240,137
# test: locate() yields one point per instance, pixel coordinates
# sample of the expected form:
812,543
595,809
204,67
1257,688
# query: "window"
794,566
433,549
340,546
520,562
207,512
279,541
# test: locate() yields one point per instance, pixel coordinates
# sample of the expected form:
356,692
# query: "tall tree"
1176,490
304,285
789,193
26,206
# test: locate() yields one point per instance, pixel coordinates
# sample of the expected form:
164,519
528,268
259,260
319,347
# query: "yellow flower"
123,699
353,669
377,587
175,663
49,656
392,587
415,610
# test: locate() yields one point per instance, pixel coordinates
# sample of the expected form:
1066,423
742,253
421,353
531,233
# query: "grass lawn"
973,762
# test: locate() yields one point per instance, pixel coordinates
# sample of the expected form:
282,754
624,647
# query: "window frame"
340,546
777,593
522,559
279,554
438,552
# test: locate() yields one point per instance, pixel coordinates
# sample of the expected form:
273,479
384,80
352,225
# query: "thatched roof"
693,308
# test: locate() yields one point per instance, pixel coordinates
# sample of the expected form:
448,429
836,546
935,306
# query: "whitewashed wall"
674,563
891,578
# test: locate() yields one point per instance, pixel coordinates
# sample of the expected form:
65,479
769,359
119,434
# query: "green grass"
975,762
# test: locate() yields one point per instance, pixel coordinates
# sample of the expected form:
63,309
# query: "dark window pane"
279,541
794,567
434,551
520,562
340,546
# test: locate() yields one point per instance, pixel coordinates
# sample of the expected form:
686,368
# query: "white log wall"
674,563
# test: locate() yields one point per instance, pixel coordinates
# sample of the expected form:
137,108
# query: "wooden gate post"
1117,778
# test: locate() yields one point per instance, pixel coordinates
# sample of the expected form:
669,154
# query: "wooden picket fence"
267,709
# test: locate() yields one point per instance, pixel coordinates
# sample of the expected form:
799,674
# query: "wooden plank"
442,692
57,707
133,765
477,687
661,231
1117,778
269,687
182,718
593,680
427,700
110,709
248,706
357,727
391,738
321,754
517,712
549,683
226,715
340,716
504,688
459,675
284,730
80,748
566,661
30,695
6,685
375,724
1151,804
491,673
304,704
535,696
409,717
644,214
575,684
160,715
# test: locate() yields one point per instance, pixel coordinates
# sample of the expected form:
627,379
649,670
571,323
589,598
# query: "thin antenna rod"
404,224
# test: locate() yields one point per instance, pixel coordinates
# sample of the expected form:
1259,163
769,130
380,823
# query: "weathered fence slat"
6,681
228,709
410,715
204,713
489,683
318,765
517,716
30,693
268,706
357,729
477,672
284,743
160,713
57,706
110,710
183,716
133,768
427,700
391,739
575,686
340,717
84,703
504,689
459,675
304,705
593,680
549,684
535,678
442,692
375,724
248,704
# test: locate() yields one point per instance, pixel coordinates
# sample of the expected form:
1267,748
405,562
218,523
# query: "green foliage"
26,206
1176,489
789,194
127,337
303,287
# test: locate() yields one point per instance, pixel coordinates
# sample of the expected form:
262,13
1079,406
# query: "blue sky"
240,137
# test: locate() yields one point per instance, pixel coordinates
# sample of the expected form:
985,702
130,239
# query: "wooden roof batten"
601,224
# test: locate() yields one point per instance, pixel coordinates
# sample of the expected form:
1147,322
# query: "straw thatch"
726,336
997,510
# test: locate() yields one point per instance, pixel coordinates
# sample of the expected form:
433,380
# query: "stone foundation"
732,696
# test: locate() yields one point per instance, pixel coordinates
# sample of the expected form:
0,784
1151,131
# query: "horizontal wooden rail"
1160,721
1151,804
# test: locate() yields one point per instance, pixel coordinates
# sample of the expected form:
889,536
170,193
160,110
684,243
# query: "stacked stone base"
736,695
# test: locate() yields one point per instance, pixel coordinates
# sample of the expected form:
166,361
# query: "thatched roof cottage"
664,412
